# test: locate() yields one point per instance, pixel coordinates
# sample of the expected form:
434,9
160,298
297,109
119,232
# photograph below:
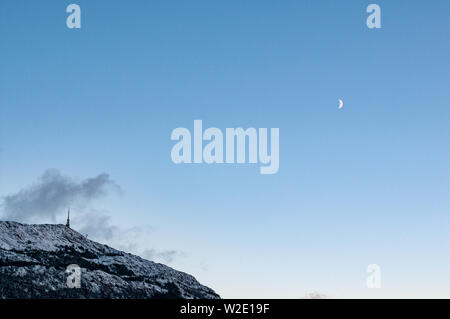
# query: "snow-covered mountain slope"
34,259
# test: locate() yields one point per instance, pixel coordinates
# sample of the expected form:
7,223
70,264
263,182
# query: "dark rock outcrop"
34,260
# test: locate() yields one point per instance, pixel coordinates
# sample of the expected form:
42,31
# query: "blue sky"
366,184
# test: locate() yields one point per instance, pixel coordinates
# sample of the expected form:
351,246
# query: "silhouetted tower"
68,218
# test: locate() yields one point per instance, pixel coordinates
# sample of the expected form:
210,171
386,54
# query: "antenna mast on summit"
68,218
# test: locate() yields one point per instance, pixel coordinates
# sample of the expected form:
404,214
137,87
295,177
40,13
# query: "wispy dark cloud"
97,226
134,240
52,194
48,198
166,256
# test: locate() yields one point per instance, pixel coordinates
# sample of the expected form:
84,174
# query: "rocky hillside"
34,260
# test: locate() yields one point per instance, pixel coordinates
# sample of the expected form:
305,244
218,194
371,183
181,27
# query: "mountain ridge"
34,259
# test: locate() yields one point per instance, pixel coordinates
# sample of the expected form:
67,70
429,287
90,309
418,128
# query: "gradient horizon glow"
368,184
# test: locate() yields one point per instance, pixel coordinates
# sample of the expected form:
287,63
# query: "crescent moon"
341,104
